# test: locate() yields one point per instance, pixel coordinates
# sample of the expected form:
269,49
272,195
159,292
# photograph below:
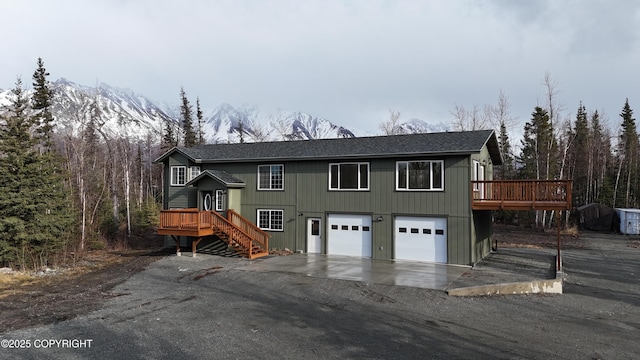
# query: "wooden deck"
186,222
239,233
521,195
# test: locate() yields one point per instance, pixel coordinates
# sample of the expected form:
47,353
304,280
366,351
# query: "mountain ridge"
121,112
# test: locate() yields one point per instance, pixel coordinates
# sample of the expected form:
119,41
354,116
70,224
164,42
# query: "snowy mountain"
123,113
414,126
223,124
120,112
117,112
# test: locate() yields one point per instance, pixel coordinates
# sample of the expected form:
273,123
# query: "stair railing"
259,235
237,236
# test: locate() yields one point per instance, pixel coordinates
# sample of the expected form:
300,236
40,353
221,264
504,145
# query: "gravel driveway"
204,307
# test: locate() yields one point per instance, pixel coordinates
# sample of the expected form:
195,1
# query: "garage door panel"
349,235
420,239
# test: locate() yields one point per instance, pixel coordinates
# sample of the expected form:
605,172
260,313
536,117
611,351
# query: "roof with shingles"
444,143
221,176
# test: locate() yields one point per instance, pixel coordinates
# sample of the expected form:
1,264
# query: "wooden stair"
238,248
213,245
240,235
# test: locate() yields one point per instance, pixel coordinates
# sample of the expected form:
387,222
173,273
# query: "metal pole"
559,266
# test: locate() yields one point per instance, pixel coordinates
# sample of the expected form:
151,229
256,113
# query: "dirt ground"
527,237
28,300
31,299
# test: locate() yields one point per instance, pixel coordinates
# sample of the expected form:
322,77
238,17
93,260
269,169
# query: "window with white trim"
269,219
271,177
478,174
420,175
178,175
349,176
194,171
220,200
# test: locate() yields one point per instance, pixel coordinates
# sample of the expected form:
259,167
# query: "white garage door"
421,239
349,235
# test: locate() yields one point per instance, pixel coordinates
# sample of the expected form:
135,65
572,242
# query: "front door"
207,201
314,239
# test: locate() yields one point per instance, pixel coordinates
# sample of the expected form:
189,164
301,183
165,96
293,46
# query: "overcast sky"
347,61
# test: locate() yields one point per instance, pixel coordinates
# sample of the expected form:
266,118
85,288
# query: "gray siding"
178,196
483,227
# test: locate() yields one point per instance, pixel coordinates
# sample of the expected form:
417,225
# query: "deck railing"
236,231
521,194
258,235
185,219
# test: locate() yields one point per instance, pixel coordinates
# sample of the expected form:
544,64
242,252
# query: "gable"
220,176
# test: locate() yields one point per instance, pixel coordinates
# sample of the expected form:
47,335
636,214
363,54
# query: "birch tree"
392,126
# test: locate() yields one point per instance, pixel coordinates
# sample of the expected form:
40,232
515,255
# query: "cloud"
349,61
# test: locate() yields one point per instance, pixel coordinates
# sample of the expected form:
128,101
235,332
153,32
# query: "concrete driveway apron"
403,273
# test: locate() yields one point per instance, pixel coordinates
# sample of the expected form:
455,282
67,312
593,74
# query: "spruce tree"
537,155
600,149
200,117
579,156
17,166
34,208
56,201
537,139
41,101
186,119
169,138
627,177
505,171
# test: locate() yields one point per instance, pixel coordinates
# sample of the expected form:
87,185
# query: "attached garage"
349,235
420,239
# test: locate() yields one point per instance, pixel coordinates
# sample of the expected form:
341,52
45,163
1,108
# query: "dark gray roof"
445,143
220,176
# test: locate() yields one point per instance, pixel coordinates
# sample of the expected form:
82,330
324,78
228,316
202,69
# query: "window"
420,175
315,227
478,174
220,200
349,176
206,202
194,171
270,177
271,220
178,175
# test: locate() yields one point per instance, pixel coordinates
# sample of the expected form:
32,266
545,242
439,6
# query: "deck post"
177,240
194,244
559,265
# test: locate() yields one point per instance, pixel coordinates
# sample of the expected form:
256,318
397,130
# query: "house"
424,197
